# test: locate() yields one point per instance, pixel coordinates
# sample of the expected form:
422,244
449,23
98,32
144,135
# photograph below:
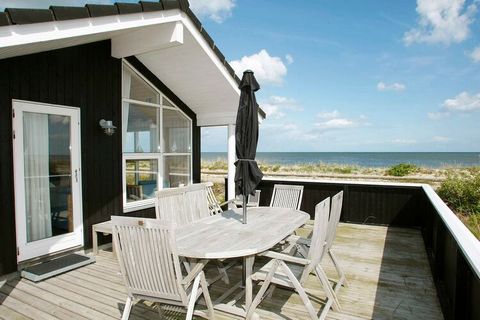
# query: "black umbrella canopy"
247,175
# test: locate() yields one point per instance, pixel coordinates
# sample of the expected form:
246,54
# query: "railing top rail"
348,182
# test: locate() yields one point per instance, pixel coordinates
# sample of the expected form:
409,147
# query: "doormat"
55,267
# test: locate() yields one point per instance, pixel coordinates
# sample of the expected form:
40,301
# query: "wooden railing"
453,251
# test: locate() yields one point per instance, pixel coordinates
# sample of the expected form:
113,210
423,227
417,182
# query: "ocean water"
363,159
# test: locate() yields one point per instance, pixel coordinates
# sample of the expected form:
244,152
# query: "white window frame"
159,156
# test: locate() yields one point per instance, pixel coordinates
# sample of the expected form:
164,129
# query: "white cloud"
441,21
337,123
382,86
289,59
267,69
404,141
463,102
438,115
217,10
275,106
475,54
328,114
441,139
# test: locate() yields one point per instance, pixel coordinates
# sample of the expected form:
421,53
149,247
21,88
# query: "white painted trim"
369,183
465,239
55,243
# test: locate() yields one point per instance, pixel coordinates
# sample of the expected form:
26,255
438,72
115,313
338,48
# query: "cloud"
475,54
328,114
404,141
217,10
382,86
463,102
438,115
276,106
441,139
337,123
441,21
267,69
289,59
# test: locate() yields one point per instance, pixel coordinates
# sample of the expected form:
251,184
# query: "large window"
157,138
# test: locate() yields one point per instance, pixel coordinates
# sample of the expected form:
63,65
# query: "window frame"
159,156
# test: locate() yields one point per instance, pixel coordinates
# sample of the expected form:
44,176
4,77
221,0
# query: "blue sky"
351,75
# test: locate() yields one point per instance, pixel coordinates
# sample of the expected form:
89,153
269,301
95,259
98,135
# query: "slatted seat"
292,272
287,196
150,266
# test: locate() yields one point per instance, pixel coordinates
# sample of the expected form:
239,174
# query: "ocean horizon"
362,159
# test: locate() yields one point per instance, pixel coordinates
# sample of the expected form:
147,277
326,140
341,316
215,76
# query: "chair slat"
287,196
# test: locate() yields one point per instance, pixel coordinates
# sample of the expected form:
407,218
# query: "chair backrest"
317,245
287,196
335,212
253,200
182,205
147,254
213,204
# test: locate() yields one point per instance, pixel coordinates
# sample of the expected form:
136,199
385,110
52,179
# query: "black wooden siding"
458,286
89,78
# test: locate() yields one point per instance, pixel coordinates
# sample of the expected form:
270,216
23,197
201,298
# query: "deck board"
387,269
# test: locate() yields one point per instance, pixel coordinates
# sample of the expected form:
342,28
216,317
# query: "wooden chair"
333,221
213,204
292,272
287,196
150,266
253,200
185,205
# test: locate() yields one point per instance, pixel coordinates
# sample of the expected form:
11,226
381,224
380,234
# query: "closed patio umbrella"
247,174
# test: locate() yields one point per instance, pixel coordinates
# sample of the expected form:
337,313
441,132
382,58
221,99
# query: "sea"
363,159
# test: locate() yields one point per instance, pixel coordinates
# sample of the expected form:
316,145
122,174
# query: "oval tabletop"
225,236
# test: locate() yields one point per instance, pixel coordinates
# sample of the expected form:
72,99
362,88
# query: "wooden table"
224,236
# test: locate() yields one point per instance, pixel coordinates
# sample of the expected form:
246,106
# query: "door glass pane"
141,176
176,132
176,171
142,131
48,180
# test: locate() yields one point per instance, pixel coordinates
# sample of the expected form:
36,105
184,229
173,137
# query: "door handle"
76,175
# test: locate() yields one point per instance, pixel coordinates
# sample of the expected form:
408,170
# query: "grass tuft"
402,169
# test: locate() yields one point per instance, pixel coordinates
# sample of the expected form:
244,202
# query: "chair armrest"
284,257
194,272
298,240
231,201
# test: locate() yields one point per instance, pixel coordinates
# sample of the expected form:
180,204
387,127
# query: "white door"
46,154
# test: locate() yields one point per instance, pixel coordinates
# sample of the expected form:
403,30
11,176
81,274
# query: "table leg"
94,241
248,265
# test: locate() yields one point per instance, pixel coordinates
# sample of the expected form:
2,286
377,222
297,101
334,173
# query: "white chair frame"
150,266
287,196
292,272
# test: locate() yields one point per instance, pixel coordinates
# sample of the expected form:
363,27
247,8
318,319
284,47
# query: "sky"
350,75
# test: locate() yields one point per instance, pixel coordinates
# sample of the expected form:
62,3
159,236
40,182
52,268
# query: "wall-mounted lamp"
107,126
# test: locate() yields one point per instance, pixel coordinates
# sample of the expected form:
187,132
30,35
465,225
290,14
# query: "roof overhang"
167,42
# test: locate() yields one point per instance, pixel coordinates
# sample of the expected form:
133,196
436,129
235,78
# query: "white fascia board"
17,35
216,119
209,51
141,41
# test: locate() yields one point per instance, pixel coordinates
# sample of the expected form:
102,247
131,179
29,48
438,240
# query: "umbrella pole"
244,209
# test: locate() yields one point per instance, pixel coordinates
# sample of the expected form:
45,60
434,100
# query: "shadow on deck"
387,269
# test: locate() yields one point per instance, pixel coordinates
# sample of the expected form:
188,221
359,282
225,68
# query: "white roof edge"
15,35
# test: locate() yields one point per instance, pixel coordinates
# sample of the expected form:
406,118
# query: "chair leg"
160,310
206,295
343,279
301,292
127,309
261,292
193,297
328,288
270,291
223,271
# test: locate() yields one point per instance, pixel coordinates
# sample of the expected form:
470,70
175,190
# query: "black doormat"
55,267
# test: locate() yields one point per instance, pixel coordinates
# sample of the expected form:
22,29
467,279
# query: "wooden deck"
387,269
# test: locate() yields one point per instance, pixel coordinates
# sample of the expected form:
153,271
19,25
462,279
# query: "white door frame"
25,250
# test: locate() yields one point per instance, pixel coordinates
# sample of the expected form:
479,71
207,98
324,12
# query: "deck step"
55,267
